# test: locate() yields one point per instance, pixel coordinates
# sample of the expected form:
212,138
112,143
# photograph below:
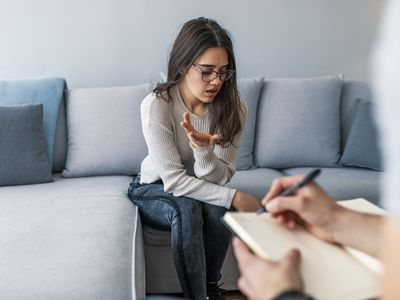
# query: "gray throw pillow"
23,158
104,131
298,122
361,149
249,90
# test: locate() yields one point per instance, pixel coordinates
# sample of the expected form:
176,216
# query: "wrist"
231,198
200,148
235,198
341,225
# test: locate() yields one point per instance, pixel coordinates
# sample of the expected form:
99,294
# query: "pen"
309,177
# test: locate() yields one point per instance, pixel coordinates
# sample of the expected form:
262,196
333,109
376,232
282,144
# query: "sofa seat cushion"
55,233
346,183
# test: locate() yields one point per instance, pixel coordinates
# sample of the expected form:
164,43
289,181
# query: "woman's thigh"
159,209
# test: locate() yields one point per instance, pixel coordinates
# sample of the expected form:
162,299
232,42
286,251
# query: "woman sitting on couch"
193,124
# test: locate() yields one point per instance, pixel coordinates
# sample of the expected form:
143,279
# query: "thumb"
242,253
292,259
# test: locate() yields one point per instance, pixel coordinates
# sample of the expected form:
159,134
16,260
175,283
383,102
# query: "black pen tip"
260,210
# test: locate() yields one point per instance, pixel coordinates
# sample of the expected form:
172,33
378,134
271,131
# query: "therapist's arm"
391,260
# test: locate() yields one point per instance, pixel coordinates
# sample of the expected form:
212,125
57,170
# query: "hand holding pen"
310,206
308,178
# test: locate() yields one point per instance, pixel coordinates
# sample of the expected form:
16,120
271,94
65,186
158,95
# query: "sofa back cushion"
351,93
249,90
60,140
46,91
23,157
298,122
362,147
104,131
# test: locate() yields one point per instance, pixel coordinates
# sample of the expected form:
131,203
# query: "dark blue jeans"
199,239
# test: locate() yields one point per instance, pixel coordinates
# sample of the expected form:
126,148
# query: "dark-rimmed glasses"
208,76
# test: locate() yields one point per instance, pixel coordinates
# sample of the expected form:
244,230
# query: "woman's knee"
189,212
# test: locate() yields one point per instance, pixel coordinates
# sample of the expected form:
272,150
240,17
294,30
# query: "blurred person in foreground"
314,209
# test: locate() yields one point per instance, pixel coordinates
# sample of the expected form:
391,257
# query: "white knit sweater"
198,173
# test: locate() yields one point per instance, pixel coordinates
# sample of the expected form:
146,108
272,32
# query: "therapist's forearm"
360,230
390,256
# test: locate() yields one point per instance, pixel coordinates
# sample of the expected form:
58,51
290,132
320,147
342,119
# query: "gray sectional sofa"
76,235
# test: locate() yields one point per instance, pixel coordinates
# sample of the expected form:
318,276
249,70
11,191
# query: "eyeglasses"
208,76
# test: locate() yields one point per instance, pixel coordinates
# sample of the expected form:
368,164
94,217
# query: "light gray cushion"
362,148
249,90
351,92
75,238
344,183
256,182
104,131
47,91
23,158
60,140
298,122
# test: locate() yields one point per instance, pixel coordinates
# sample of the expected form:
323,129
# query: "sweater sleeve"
158,130
217,163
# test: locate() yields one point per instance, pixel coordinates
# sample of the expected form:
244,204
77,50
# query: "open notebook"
329,271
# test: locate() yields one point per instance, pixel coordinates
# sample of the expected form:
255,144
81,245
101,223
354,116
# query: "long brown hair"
194,38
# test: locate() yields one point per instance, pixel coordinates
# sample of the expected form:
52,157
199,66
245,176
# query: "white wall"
118,42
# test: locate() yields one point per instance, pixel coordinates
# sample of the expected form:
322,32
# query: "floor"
235,296
231,295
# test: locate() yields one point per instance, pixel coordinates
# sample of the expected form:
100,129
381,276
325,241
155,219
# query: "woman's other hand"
245,202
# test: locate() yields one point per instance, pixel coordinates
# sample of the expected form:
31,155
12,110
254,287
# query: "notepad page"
362,205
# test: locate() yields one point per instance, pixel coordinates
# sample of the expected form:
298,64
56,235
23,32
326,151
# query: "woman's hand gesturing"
197,139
